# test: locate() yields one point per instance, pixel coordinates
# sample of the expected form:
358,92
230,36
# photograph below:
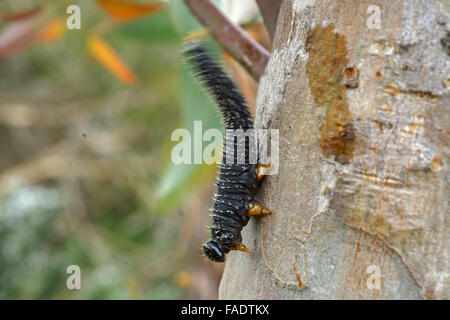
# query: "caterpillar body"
238,182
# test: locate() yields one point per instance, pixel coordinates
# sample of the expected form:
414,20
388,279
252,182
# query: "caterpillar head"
213,251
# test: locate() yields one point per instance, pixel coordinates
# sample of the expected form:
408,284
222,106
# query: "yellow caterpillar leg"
241,247
255,209
261,171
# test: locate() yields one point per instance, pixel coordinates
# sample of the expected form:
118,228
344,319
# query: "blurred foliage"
85,173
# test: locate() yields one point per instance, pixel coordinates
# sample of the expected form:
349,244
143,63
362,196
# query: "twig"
249,53
269,10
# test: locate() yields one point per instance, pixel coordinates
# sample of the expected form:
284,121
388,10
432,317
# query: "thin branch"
249,53
269,10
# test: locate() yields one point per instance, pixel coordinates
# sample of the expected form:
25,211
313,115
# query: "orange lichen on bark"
326,70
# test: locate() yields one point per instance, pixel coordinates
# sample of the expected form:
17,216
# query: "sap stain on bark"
327,70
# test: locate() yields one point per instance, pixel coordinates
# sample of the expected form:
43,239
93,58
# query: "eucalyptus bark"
362,191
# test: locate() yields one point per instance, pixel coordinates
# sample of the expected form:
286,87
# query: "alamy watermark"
73,281
374,280
74,20
374,19
249,146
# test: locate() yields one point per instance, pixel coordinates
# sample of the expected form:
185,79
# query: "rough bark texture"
363,118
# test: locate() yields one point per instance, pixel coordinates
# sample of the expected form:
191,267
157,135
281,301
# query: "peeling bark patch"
328,79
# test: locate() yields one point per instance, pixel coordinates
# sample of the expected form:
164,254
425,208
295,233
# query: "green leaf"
179,180
154,29
182,18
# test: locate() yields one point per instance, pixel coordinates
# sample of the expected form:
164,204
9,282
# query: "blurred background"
86,117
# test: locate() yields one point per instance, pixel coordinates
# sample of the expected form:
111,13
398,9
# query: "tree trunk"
360,201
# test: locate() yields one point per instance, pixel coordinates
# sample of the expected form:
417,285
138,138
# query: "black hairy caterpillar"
238,182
